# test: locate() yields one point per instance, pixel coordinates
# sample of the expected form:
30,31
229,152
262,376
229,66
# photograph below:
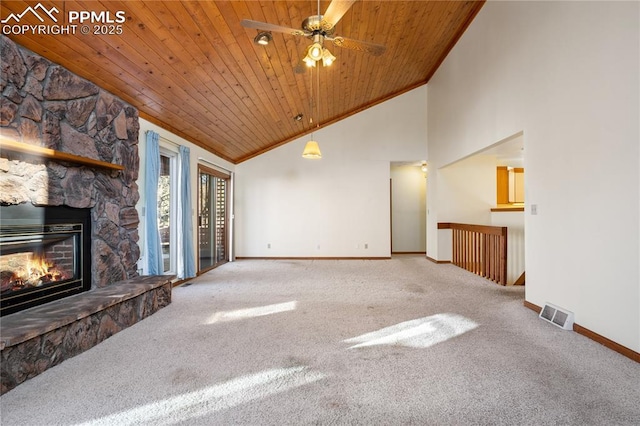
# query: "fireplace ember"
50,262
25,270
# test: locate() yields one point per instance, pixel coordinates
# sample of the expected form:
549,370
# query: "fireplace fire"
47,263
44,255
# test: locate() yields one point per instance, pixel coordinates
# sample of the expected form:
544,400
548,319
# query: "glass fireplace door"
44,255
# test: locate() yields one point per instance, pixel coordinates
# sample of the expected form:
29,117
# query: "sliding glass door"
212,218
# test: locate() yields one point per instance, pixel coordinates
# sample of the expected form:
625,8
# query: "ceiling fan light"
312,151
327,58
315,51
263,38
309,62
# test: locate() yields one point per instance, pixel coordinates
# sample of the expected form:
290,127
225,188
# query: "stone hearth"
36,339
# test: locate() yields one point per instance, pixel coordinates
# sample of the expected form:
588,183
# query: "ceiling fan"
320,28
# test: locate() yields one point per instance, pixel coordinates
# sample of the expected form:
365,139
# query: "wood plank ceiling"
191,68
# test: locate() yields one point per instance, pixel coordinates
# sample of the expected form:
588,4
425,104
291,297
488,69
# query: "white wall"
171,142
408,209
566,74
466,192
338,203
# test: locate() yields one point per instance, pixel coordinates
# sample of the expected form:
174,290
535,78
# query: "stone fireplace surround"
46,105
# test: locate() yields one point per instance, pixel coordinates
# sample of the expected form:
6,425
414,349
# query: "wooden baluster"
454,257
492,252
464,249
503,247
470,251
456,252
473,253
460,240
486,256
492,257
478,251
461,249
498,259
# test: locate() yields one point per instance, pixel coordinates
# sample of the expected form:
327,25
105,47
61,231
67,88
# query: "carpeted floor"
385,342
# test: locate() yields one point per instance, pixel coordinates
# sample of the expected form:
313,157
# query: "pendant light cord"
317,93
311,101
318,82
318,100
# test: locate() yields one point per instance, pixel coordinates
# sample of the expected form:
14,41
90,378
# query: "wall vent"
557,316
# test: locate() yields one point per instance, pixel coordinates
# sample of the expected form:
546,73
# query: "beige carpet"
401,341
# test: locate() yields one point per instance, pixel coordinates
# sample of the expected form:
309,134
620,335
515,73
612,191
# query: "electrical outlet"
318,247
534,209
268,245
366,246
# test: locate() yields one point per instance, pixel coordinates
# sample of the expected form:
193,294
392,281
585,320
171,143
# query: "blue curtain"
186,207
155,265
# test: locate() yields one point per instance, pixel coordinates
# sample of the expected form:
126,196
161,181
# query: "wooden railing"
480,249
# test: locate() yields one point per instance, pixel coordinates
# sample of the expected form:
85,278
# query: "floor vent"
557,316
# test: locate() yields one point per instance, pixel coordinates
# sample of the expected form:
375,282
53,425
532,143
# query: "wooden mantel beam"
52,154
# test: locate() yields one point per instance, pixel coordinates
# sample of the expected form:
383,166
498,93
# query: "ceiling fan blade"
363,46
247,23
335,12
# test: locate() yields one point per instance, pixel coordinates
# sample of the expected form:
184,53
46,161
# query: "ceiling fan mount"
314,25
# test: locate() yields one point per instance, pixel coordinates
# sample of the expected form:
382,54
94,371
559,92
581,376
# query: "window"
167,188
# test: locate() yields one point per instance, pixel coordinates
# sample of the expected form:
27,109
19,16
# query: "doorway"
408,208
213,218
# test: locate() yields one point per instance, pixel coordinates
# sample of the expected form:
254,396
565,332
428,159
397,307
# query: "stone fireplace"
90,138
45,105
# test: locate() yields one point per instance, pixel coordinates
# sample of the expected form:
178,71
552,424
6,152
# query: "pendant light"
311,149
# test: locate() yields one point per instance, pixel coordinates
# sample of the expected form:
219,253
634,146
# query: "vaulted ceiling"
193,69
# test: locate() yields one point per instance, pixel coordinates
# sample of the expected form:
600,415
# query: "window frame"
173,209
